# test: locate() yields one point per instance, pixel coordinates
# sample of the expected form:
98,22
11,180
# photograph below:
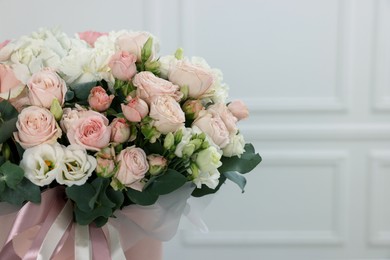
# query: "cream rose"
90,131
133,166
134,41
239,109
135,110
44,86
222,111
167,114
77,166
148,86
42,163
235,147
198,79
36,126
214,127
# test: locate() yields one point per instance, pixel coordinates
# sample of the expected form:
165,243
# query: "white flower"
166,62
187,134
77,166
235,147
42,163
210,179
208,160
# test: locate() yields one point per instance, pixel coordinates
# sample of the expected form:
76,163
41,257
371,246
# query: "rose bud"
135,110
120,131
99,100
123,66
238,109
192,107
105,167
157,164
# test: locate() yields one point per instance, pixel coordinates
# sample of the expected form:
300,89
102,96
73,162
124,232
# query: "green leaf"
97,185
81,195
7,111
7,128
11,174
2,159
237,179
86,218
82,90
204,190
69,95
25,191
116,197
144,198
246,163
2,186
170,181
146,51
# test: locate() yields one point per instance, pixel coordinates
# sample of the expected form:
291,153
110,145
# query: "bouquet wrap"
47,231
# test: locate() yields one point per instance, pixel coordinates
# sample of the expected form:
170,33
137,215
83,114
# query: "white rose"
42,163
235,147
208,160
77,166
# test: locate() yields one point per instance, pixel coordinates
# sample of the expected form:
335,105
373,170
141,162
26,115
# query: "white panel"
297,197
308,73
379,209
72,16
381,80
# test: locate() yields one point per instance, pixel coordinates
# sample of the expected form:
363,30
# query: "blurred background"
316,77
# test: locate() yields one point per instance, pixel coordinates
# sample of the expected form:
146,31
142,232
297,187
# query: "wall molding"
335,159
381,57
338,103
379,159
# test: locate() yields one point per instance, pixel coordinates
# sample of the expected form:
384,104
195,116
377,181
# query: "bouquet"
105,122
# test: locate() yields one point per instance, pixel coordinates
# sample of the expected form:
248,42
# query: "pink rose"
120,131
238,109
221,110
99,100
44,86
133,42
133,166
36,126
10,86
123,66
167,114
90,131
135,110
4,43
214,127
90,36
148,86
199,80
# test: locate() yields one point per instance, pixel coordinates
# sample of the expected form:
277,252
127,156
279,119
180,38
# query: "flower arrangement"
104,117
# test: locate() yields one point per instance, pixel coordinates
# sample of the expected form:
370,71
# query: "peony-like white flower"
77,166
42,163
235,147
210,179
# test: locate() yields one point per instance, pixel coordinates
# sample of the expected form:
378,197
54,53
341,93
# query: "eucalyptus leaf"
82,90
237,179
25,191
7,128
170,181
244,164
7,111
97,184
2,186
69,95
86,218
11,174
204,190
116,197
81,195
144,198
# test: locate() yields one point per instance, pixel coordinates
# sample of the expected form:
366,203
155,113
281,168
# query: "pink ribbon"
125,235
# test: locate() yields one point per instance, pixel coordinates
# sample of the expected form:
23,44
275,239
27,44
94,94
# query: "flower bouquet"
102,140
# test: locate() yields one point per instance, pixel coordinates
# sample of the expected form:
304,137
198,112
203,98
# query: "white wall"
315,74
